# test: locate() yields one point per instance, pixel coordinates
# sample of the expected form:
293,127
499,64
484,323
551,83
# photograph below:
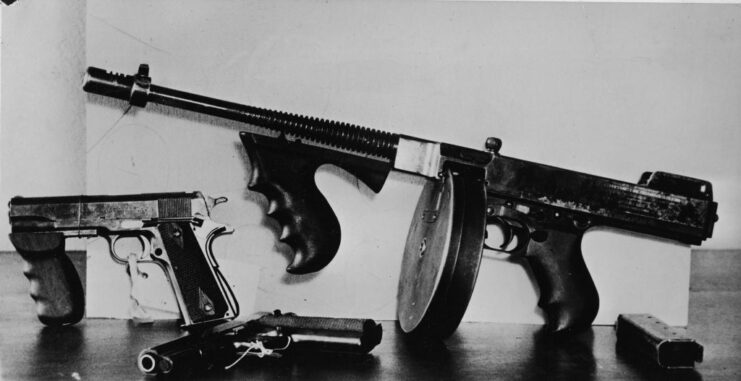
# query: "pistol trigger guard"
112,250
145,253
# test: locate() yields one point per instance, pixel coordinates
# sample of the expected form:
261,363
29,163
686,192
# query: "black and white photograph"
370,190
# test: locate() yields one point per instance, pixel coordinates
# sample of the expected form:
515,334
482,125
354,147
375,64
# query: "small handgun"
174,230
269,335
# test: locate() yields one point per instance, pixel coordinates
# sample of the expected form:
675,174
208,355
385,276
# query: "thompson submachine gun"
544,210
174,230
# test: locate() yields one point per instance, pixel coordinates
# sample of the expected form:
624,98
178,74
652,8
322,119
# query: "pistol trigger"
508,237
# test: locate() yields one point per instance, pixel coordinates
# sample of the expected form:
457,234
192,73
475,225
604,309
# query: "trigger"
523,236
507,239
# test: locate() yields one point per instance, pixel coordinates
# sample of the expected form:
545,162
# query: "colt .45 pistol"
175,232
224,345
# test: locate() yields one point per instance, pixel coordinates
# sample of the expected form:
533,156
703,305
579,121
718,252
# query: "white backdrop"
609,89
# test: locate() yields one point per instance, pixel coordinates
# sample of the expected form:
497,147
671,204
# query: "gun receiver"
543,211
175,233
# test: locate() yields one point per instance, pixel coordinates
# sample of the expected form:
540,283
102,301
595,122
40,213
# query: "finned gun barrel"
138,90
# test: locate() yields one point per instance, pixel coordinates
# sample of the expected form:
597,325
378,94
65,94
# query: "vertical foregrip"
567,293
55,284
309,226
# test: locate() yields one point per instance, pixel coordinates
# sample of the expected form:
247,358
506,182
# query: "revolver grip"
55,284
284,172
567,293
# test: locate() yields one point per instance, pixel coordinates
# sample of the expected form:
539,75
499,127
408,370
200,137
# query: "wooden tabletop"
107,349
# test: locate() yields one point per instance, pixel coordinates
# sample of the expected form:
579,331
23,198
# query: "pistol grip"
284,172
55,284
567,293
203,295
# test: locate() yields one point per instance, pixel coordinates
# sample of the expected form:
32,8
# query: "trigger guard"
146,248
